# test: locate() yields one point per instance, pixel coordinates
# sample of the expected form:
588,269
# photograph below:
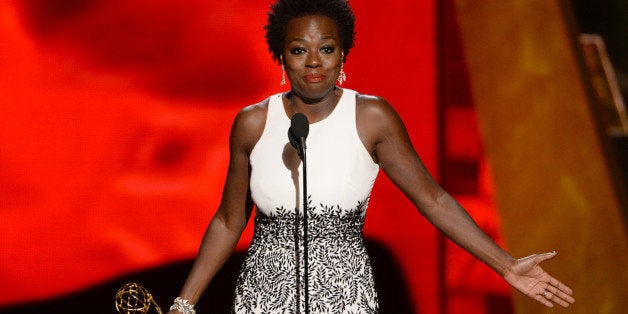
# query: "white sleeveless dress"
340,175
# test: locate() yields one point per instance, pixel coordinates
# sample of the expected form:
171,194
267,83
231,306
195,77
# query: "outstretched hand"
528,277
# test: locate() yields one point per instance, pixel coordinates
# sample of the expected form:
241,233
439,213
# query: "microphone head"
299,126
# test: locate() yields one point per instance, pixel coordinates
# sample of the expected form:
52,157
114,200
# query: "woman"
352,136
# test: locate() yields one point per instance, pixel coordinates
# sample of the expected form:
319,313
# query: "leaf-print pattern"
340,273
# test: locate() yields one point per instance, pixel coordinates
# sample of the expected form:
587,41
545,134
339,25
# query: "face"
312,56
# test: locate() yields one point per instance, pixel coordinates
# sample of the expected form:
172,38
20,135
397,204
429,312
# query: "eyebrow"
298,39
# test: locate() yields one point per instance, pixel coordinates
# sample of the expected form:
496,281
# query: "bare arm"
384,134
226,227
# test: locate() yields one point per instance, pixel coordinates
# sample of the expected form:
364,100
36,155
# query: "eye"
297,51
328,49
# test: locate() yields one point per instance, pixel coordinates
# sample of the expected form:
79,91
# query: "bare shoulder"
376,121
253,114
249,124
375,111
370,102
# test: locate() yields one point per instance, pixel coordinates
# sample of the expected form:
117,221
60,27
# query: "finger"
539,258
561,302
559,296
543,300
560,286
555,298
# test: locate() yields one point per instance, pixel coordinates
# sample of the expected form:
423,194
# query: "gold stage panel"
554,180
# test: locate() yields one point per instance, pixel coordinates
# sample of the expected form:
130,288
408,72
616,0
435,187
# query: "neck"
315,109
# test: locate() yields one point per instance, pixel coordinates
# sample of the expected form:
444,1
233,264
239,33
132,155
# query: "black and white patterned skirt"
340,276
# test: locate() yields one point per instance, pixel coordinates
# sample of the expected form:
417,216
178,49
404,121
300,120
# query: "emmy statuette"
132,298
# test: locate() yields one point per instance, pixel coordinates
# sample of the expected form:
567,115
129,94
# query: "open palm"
528,277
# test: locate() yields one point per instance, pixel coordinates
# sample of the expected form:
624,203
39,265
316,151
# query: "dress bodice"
340,171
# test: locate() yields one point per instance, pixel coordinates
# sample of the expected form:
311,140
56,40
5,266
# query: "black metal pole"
306,298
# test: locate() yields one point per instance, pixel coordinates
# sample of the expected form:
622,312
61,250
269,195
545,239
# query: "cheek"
336,62
293,64
335,66
292,71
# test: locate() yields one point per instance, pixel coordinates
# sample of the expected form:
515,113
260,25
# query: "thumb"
539,258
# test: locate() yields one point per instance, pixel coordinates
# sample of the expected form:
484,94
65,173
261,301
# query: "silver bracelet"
183,306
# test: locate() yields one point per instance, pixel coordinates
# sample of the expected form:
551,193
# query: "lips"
314,78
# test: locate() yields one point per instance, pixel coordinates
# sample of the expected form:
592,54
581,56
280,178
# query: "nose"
313,60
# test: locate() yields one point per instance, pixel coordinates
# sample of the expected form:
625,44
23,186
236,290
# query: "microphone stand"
306,298
297,133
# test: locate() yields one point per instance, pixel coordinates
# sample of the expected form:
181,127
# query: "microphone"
298,131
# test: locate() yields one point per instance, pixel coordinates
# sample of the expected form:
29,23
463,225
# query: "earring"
342,77
283,75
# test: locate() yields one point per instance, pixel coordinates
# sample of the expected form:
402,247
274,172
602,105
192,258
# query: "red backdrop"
115,122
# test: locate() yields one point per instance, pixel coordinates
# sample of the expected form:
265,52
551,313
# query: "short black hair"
285,10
